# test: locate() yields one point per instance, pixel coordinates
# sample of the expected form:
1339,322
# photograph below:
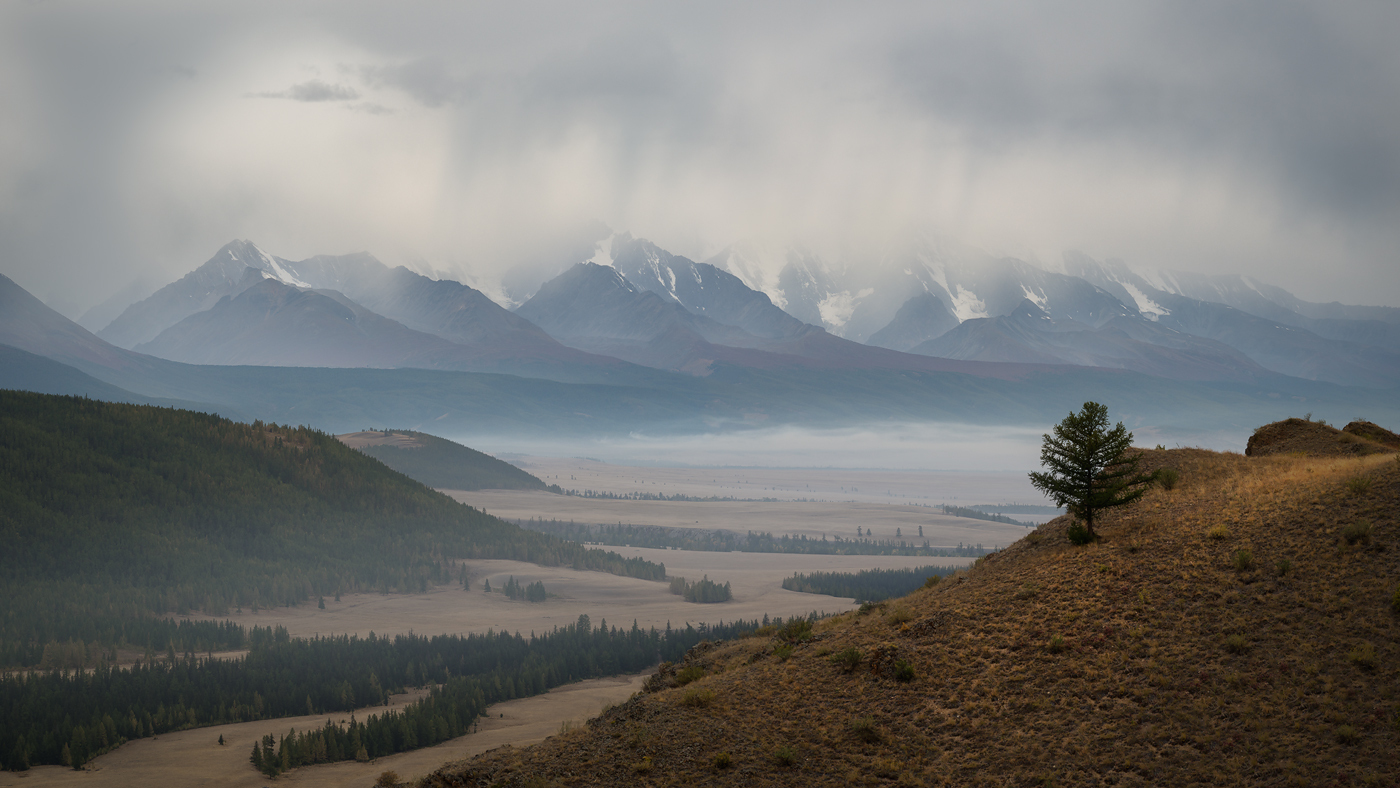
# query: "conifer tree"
1088,467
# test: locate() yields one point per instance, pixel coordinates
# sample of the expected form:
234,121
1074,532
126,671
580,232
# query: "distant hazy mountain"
701,288
595,308
99,316
222,275
275,324
859,296
1285,347
923,317
1030,335
30,325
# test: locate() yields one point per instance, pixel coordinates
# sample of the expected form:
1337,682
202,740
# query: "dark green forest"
868,585
445,465
59,717
703,591
723,541
113,513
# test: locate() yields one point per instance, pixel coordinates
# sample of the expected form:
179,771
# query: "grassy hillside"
109,512
1242,628
439,463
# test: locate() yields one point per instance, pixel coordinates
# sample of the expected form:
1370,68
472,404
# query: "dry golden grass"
1152,657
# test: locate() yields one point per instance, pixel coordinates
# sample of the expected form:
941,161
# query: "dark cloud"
315,90
427,80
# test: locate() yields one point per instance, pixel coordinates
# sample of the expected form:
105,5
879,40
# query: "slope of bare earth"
1242,628
755,578
813,520
1316,438
194,757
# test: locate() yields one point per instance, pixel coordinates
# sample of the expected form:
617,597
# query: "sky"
467,138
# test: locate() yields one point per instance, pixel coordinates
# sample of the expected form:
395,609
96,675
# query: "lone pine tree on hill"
1088,467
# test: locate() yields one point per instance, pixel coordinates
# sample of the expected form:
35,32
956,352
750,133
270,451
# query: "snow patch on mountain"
1150,309
1039,299
967,306
602,254
837,308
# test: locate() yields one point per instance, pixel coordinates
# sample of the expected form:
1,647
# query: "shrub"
1027,591
1218,532
933,580
903,671
1359,531
1364,656
783,651
1242,560
865,730
1283,566
1358,485
688,674
698,697
643,766
848,659
899,615
785,756
722,760
1346,734
1057,644
1167,478
1078,534
797,630
1236,644
387,779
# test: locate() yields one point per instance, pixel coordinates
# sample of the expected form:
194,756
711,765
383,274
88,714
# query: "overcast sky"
1259,138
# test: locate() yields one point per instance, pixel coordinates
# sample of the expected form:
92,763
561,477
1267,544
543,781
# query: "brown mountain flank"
1238,629
1317,438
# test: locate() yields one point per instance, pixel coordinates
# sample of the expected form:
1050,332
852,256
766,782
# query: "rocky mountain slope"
1241,628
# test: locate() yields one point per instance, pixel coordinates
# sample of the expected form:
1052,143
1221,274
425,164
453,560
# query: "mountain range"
654,337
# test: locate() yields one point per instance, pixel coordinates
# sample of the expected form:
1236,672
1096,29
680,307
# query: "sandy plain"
814,520
195,758
958,488
755,579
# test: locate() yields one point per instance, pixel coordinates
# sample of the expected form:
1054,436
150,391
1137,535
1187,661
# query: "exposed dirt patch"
1373,432
359,440
1313,438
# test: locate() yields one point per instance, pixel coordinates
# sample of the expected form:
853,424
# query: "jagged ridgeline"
440,463
112,512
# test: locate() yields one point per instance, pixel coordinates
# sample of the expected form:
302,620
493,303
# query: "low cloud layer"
1250,137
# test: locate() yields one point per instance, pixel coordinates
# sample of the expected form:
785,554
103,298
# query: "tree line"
61,717
703,590
532,592
867,585
112,514
718,540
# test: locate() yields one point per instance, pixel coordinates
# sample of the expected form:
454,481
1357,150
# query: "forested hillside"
440,463
111,512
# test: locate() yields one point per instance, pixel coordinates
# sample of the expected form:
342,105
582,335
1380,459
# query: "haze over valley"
699,394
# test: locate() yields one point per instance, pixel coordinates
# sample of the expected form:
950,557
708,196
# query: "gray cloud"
1255,137
313,91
